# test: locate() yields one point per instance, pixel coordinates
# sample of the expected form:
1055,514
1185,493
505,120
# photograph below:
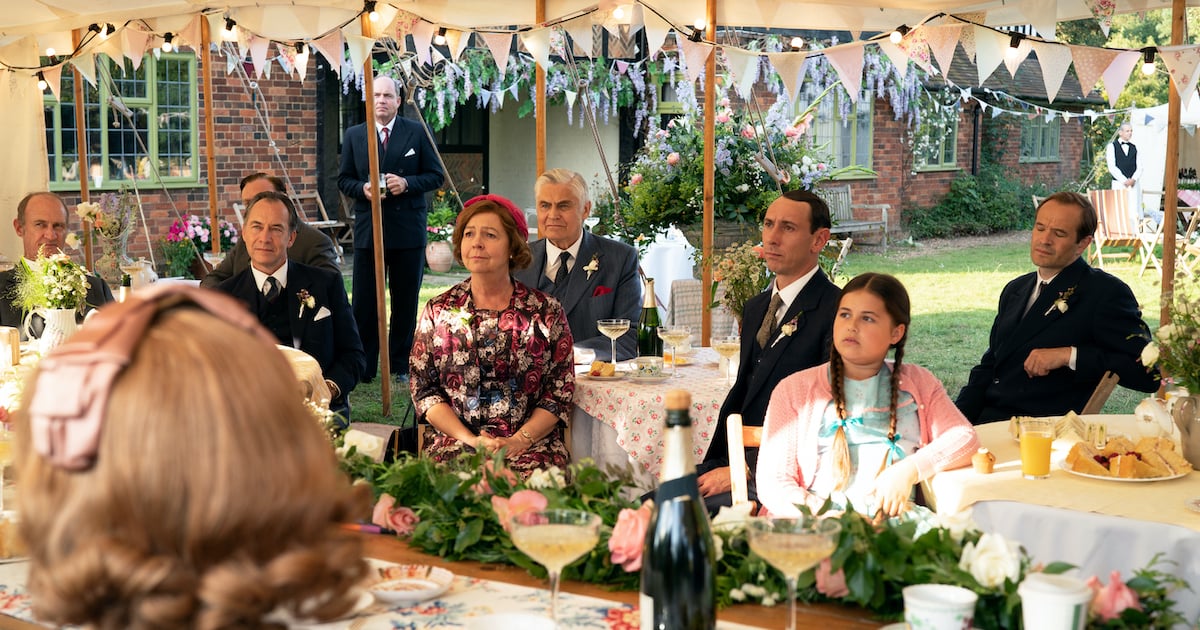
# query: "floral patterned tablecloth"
466,599
635,410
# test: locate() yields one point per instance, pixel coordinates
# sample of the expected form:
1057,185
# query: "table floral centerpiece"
188,239
54,288
459,510
1174,346
112,220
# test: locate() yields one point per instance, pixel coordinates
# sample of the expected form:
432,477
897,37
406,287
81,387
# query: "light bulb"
229,33
167,46
1148,61
700,24
797,43
440,38
50,51
41,82
618,13
369,7
1148,68
895,37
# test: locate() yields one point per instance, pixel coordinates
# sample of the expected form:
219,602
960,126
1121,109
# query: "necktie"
560,276
1037,293
271,289
768,324
386,132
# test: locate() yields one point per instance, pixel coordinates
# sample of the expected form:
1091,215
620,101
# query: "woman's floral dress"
494,368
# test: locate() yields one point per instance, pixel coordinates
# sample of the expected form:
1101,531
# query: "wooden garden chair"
740,438
1116,227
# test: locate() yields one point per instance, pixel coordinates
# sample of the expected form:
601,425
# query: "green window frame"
848,138
160,95
937,146
1040,139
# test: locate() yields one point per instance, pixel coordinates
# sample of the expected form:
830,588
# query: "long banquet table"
1097,525
481,589
619,423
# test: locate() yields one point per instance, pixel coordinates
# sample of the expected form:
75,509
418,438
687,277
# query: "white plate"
614,377
649,379
902,626
407,584
1065,466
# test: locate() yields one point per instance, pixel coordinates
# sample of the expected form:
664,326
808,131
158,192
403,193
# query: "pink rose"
520,502
484,487
636,179
629,536
748,132
673,158
831,584
401,520
1110,600
725,102
723,117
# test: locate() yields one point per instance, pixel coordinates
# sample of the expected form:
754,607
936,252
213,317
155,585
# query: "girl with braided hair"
860,430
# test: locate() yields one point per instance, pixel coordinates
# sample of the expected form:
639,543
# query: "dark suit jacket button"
995,381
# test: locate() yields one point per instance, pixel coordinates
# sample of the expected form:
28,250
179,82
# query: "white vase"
58,327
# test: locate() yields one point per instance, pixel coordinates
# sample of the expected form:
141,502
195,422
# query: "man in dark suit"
1058,329
785,329
42,225
312,247
591,276
410,167
306,307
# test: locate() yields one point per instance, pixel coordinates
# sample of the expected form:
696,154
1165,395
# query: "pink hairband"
74,381
517,215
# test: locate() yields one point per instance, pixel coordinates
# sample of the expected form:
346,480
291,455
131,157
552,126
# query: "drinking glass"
6,459
793,545
613,329
673,336
554,539
728,348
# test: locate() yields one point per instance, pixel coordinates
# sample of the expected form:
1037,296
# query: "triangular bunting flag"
216,22
190,34
485,97
571,96
360,49
1054,60
422,33
537,42
1042,15
1014,57
656,33
231,64
791,68
456,41
331,48
995,112
1102,10
405,22
967,37
266,71
499,44
1090,63
133,45
622,66
1183,64
302,63
580,30
286,56
897,56
983,107
989,51
498,99
258,53
743,69
847,60
916,47
513,91
1117,74
943,40
695,56
86,65
53,77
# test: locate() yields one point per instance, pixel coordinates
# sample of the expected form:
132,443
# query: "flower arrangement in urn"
112,219
443,214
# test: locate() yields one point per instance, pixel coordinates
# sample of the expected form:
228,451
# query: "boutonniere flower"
306,301
788,328
593,266
1061,303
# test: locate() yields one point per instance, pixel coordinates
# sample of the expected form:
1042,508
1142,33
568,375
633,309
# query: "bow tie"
1126,143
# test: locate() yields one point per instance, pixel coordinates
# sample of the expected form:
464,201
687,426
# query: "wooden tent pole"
1171,173
710,130
539,120
210,147
82,169
385,360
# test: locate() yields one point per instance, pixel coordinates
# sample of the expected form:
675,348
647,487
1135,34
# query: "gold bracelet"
525,434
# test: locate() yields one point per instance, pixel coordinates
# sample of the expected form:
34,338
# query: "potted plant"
187,239
439,254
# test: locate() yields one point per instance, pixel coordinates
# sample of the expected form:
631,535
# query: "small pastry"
983,461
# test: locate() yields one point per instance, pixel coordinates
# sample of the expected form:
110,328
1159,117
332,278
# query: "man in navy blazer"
598,279
306,307
410,167
1051,343
799,335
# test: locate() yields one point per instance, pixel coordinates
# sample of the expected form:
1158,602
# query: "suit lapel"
777,345
297,321
577,280
1042,314
538,249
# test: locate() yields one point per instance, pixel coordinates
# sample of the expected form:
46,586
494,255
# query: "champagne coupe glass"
673,336
613,329
6,458
793,545
728,348
555,538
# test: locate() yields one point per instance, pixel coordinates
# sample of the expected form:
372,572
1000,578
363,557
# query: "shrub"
977,204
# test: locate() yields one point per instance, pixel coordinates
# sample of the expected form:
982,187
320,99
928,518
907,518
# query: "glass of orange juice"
1037,434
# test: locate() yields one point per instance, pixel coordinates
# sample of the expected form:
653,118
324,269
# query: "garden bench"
841,210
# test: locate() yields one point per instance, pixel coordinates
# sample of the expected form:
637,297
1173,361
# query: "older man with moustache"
591,276
42,225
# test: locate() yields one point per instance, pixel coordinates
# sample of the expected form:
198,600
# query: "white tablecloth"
619,423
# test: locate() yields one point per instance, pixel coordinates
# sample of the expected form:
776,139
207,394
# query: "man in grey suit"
42,225
591,276
312,247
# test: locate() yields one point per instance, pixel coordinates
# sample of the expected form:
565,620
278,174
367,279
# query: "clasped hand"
513,445
1042,361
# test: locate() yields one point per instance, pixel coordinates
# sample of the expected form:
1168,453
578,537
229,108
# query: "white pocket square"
411,152
322,313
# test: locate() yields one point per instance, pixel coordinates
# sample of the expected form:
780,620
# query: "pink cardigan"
793,420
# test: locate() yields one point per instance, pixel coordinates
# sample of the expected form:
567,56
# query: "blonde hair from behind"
214,499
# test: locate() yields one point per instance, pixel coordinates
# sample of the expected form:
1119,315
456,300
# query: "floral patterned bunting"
1103,11
1090,63
848,61
1183,64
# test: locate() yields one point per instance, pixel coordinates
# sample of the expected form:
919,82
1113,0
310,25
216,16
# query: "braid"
895,384
841,448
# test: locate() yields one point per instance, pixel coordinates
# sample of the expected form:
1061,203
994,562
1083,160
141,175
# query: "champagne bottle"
678,574
649,343
126,287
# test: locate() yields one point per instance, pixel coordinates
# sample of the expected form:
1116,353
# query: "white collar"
280,276
553,252
390,126
788,294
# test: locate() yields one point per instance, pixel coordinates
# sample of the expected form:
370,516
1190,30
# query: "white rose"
807,161
737,595
719,547
73,240
768,601
539,480
1150,354
732,518
992,560
1165,332
958,524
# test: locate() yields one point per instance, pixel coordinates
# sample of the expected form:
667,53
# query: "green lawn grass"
954,292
